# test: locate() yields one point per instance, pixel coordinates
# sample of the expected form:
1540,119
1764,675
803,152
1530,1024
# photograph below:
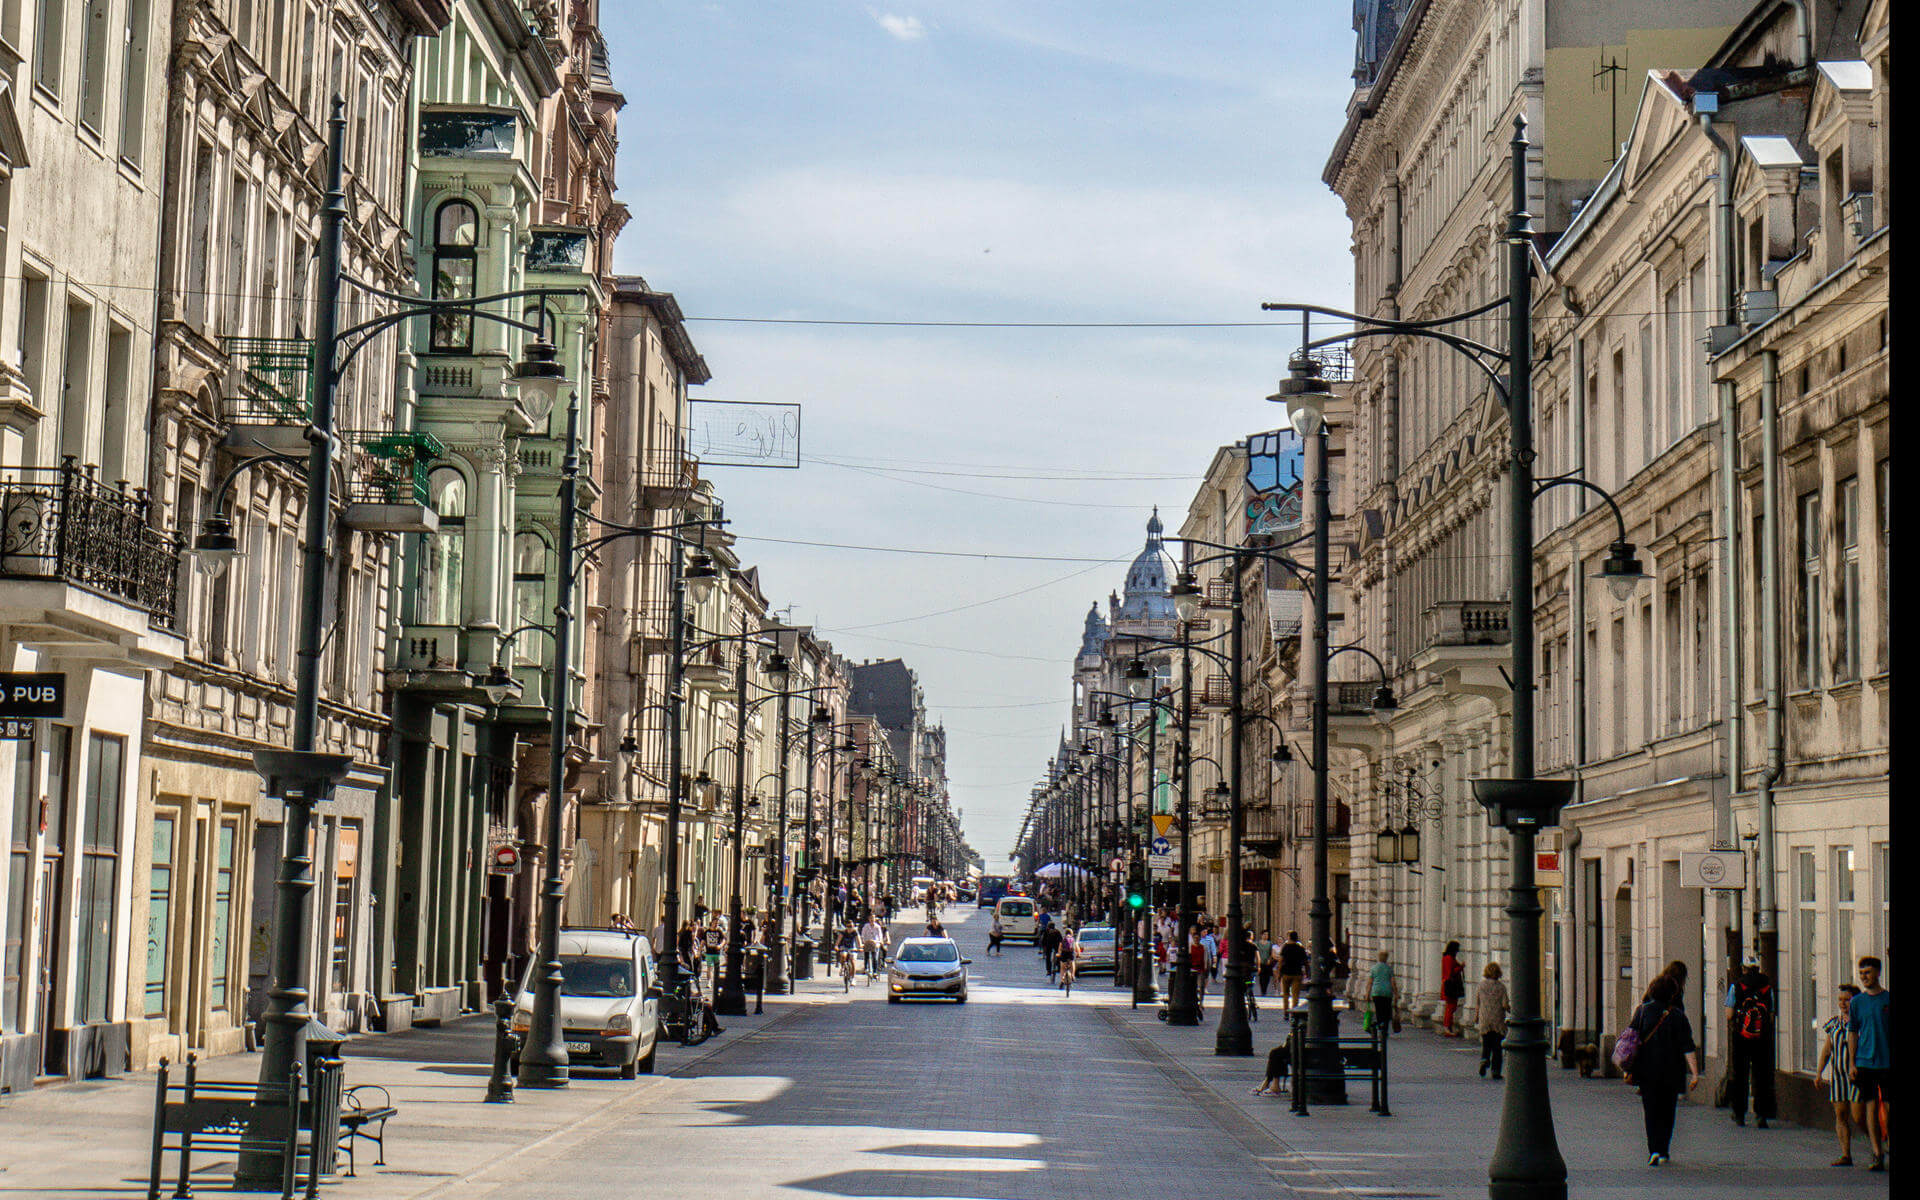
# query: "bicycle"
847,970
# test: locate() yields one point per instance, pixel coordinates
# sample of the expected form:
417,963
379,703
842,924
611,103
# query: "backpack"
1750,1018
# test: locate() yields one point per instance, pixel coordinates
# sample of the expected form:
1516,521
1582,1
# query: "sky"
994,163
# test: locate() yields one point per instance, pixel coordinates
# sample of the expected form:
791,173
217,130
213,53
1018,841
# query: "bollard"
500,1083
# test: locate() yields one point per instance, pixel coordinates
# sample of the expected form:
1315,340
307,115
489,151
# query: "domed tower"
1145,596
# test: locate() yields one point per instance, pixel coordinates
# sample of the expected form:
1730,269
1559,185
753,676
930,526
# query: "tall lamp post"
300,775
1526,1163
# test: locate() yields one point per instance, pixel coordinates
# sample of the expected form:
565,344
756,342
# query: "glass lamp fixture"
1186,595
1622,571
1383,700
1305,394
1410,843
701,577
216,547
705,789
1282,753
779,671
540,377
1386,846
1139,678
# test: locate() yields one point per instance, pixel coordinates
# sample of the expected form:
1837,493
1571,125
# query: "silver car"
930,967
1097,948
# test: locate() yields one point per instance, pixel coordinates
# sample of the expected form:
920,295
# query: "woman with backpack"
1661,1060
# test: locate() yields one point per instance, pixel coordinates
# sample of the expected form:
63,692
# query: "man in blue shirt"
1870,1031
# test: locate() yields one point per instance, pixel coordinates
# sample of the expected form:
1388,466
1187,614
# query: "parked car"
928,967
1016,915
609,1000
1097,949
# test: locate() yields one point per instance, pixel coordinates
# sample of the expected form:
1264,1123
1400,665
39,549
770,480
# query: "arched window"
456,232
530,597
444,554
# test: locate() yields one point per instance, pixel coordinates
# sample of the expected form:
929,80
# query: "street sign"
33,694
1160,846
1724,870
1162,822
506,859
1160,873
1160,863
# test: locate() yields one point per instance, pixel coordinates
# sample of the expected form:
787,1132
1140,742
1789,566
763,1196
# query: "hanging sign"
33,694
1719,869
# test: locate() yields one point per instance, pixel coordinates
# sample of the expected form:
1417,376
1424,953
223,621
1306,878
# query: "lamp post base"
776,968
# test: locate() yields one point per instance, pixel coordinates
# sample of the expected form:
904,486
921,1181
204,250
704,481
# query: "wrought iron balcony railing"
61,523
391,468
273,382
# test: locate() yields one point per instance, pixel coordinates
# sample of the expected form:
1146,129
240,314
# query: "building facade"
89,562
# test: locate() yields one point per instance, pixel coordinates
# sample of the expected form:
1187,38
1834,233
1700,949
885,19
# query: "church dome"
1145,595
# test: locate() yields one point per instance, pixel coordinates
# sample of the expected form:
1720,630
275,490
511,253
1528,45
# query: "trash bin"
325,1072
753,968
802,965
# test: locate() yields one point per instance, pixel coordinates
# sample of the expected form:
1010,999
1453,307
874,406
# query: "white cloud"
905,29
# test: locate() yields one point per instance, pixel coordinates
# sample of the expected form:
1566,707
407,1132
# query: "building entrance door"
46,904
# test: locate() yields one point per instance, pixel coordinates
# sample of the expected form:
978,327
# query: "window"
1882,904
1657,434
159,902
76,386
529,596
456,231
443,562
1675,657
1842,917
50,47
1702,319
219,958
1702,640
346,865
1617,719
133,83
1617,397
93,65
1885,499
1807,892
99,878
1807,648
114,403
13,959
1849,608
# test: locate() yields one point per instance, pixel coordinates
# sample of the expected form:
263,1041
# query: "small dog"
1584,1055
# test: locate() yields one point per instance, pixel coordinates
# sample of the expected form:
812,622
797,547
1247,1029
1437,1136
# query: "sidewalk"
91,1139
1437,1143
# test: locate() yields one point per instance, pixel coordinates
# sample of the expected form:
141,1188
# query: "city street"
1020,1093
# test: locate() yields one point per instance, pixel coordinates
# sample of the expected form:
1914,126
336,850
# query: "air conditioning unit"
1759,307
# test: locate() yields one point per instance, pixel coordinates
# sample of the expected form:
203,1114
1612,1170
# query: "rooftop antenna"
1611,68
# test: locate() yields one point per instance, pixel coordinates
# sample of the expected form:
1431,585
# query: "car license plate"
579,1047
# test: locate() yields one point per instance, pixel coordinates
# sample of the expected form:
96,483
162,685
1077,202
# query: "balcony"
269,404
667,479
1215,691
446,662
469,131
1464,646
85,567
710,669
1348,699
387,481
1468,623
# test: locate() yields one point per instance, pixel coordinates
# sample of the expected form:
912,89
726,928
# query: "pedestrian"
1050,948
1197,960
1292,968
994,936
714,938
1490,1014
1453,987
1262,951
1212,944
1664,1066
1750,1012
1383,991
1844,1091
1870,1038
1246,951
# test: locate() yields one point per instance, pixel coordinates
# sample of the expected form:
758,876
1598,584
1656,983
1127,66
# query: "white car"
929,967
1096,953
609,1005
1017,919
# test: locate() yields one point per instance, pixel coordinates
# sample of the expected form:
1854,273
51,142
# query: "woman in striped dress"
1837,1052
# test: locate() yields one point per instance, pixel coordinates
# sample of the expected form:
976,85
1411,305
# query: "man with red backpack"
1750,1011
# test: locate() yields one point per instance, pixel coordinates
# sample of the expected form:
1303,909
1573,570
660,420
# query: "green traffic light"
1135,900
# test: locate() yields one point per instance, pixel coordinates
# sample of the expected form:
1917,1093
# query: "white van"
609,1001
1016,915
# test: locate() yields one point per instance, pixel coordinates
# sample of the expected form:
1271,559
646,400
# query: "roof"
1145,593
1851,75
1770,151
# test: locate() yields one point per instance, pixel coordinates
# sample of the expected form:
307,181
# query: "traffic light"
1135,899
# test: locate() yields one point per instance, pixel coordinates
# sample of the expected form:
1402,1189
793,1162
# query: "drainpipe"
1723,255
1767,921
1577,647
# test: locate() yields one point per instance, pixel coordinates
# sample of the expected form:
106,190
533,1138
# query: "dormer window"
456,230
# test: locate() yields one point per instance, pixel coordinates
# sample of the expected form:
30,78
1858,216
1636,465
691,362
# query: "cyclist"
870,934
1067,952
849,942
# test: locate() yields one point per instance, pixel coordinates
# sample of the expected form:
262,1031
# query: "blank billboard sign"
743,433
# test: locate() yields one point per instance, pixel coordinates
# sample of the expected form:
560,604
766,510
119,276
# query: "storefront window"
99,878
159,910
